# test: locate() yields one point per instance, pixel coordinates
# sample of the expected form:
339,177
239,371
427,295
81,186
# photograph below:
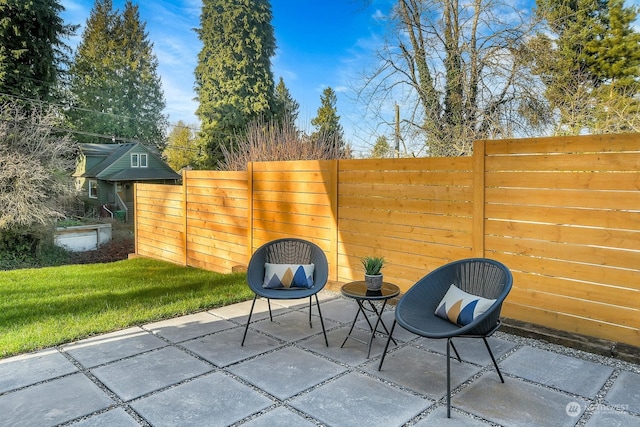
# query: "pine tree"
32,51
381,149
590,64
285,107
182,147
327,121
114,80
234,81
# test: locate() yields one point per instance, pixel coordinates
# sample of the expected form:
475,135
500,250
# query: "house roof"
111,153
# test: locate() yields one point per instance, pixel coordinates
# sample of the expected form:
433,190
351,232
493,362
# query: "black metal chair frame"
416,309
287,251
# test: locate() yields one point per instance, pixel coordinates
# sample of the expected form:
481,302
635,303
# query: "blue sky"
319,44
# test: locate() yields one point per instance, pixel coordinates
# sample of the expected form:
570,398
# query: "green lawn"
44,307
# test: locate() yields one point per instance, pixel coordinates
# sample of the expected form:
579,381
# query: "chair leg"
493,359
310,299
246,328
448,378
386,347
326,341
269,304
456,351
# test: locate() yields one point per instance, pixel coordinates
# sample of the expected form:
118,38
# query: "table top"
359,290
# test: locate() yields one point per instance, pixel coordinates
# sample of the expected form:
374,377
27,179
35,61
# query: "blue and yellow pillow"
460,307
285,276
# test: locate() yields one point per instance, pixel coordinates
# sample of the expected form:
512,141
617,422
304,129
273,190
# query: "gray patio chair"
416,310
287,251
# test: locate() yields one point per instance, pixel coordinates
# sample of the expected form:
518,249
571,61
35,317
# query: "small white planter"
82,238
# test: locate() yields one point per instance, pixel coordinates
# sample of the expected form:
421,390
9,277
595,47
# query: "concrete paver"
106,348
53,402
421,371
136,376
212,400
280,417
354,400
223,349
518,403
189,327
191,370
296,370
565,373
291,326
625,392
27,369
115,417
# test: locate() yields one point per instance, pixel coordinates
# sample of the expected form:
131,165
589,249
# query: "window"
139,160
93,189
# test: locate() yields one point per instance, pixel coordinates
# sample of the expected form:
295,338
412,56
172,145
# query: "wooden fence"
562,213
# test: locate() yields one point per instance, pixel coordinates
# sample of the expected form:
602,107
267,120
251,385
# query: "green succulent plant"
372,265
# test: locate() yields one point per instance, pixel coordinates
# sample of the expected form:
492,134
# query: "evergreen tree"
114,81
285,107
590,64
32,53
234,81
381,149
182,147
327,121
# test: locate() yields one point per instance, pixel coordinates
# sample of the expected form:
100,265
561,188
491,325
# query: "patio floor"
192,371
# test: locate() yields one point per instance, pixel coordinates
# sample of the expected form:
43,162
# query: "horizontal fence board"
408,165
604,257
206,227
601,162
290,230
264,217
590,236
613,181
623,316
566,144
456,208
411,233
620,220
592,273
586,199
404,178
394,192
596,292
575,324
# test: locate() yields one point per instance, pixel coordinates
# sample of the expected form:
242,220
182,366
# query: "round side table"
359,292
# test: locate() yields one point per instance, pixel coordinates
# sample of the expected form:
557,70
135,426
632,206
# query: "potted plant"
372,272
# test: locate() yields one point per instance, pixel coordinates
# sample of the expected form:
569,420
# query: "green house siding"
111,167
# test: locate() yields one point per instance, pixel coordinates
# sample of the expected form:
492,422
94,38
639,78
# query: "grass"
50,306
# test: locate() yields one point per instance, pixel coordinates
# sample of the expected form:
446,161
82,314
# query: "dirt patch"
121,245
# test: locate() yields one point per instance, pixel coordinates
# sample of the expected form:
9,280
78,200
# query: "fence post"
333,271
477,232
135,218
249,211
185,191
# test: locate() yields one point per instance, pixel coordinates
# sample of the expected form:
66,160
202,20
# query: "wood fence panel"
216,218
159,222
294,199
417,213
564,215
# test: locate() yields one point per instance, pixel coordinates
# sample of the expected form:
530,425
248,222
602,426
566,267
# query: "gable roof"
111,153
